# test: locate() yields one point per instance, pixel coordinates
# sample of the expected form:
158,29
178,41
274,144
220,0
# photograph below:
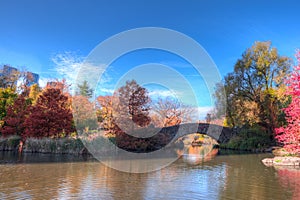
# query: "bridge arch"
219,133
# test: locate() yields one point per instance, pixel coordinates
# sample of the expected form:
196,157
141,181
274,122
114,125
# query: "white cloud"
161,93
202,111
43,81
67,65
72,67
108,91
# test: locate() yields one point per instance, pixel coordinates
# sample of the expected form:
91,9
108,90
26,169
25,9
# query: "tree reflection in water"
290,179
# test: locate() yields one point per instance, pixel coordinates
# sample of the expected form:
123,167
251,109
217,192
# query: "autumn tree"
171,112
34,92
16,116
62,85
251,90
290,135
7,97
105,112
51,115
131,106
238,111
84,113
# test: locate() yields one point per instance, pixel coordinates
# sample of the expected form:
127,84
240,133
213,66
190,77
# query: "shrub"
249,139
58,145
9,143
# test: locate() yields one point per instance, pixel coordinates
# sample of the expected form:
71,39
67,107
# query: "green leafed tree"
252,89
7,97
84,89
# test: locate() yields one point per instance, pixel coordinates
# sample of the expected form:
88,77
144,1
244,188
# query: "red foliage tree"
130,111
290,135
131,106
50,116
15,117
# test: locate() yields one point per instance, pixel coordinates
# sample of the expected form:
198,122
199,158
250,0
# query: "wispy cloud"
67,65
107,91
161,93
75,70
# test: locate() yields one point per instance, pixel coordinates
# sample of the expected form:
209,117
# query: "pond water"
242,176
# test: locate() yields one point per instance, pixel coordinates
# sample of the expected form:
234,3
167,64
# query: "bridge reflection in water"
198,148
196,156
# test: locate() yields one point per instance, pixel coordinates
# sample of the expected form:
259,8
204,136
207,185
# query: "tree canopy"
50,116
251,90
17,113
131,106
170,112
289,135
84,89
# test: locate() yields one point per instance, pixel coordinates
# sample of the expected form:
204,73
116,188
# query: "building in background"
10,76
8,70
32,78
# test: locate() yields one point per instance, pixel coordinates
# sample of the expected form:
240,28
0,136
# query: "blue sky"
33,32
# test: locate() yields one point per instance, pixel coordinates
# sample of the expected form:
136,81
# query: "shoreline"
72,146
263,150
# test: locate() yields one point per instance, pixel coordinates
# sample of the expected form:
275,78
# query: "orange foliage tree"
84,113
105,112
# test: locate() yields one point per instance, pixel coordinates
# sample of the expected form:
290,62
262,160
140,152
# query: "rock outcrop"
282,161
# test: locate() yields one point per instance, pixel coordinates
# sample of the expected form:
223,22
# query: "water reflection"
199,154
289,178
67,180
182,181
248,178
223,177
198,148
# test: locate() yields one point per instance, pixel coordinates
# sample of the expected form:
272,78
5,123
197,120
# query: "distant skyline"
34,32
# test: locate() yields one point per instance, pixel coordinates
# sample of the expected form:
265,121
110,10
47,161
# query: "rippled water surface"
38,176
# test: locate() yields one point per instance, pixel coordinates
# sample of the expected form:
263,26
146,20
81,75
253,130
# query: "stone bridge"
219,133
